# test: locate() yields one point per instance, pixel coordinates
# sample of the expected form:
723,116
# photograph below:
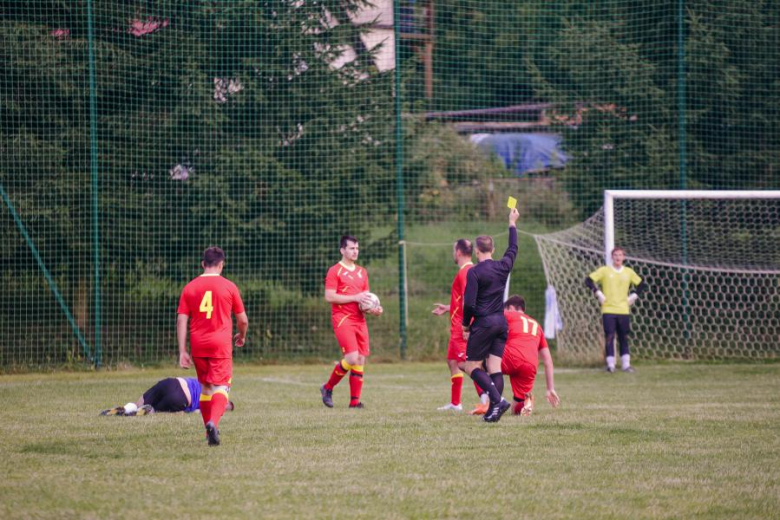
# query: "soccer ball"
372,305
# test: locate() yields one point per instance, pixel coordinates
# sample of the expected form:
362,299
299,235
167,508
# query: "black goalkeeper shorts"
166,396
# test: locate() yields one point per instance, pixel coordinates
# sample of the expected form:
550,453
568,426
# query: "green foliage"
615,82
617,122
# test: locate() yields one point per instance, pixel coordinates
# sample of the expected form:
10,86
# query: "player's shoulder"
229,283
191,284
511,316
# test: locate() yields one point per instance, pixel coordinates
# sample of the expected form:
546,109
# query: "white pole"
609,227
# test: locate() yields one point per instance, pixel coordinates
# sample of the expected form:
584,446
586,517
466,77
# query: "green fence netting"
133,134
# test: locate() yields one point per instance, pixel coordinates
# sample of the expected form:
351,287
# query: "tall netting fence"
712,268
134,134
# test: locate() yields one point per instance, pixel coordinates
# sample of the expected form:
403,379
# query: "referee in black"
483,300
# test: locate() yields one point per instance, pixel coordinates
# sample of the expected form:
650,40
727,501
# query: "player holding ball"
347,290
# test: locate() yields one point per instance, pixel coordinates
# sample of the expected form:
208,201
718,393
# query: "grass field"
672,441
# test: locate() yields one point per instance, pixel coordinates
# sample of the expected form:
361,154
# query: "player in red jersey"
206,303
456,349
346,286
525,343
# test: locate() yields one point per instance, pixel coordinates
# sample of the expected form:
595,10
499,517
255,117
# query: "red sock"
339,371
219,401
355,385
457,388
479,389
205,408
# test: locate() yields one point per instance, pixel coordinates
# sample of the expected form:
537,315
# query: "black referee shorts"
487,336
166,396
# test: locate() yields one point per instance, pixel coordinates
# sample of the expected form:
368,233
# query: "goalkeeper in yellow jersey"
617,287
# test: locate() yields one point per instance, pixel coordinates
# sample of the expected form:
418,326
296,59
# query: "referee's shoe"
495,411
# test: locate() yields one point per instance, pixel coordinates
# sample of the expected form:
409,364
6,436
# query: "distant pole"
94,169
399,170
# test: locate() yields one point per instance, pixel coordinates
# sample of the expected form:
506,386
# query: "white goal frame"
611,195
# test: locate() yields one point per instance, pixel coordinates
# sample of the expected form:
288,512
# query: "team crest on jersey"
360,273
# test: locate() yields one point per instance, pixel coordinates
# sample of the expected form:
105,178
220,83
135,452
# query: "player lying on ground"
172,394
525,343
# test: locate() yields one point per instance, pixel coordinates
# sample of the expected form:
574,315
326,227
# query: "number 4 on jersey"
206,305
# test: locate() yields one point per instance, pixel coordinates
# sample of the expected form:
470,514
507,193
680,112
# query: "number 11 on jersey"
206,305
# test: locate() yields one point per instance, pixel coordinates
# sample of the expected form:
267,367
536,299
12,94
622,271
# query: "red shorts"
214,371
352,336
456,349
521,377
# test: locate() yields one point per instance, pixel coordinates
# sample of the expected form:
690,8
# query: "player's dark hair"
213,256
345,239
464,247
484,244
515,301
617,248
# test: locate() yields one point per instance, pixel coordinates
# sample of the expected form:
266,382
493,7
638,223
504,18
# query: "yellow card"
511,203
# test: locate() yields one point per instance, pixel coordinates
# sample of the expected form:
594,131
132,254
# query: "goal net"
711,261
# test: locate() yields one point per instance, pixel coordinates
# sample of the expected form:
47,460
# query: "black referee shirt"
485,282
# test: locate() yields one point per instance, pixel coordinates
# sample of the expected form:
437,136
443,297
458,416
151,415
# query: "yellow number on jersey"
534,326
206,305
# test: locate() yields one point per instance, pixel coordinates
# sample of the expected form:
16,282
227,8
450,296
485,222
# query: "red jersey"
346,281
456,299
524,340
208,300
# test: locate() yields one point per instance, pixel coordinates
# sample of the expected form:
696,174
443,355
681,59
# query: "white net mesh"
712,269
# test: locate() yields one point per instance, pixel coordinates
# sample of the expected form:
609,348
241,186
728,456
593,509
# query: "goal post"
711,260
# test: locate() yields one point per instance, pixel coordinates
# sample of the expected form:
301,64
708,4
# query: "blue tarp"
524,152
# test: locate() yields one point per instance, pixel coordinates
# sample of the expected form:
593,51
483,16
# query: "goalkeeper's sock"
205,408
611,362
339,371
355,384
219,401
484,381
456,389
625,361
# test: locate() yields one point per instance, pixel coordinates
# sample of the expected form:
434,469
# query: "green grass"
673,441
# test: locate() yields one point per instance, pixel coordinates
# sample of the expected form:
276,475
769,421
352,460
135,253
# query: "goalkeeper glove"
632,298
601,297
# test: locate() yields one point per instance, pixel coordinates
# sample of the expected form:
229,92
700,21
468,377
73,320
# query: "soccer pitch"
672,441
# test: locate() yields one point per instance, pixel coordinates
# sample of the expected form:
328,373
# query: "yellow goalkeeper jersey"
615,285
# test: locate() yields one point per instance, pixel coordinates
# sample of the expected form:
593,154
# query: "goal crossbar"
611,195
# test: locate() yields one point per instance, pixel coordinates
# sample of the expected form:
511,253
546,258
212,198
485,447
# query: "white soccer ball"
373,304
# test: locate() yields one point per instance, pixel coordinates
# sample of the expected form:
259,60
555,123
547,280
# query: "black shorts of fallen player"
166,396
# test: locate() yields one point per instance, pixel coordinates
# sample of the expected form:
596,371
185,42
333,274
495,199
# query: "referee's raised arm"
511,251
